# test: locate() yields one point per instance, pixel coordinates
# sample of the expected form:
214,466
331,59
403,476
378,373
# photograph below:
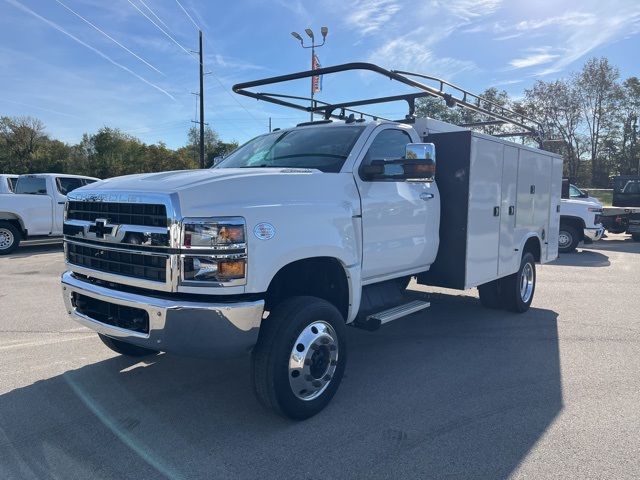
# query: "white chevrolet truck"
303,231
579,218
36,208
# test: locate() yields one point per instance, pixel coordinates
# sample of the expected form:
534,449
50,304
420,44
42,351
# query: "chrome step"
394,313
375,320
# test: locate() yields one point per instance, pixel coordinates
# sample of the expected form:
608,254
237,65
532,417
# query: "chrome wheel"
313,360
526,283
564,239
6,238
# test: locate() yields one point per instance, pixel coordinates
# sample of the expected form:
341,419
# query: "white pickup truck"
579,219
36,208
301,232
7,183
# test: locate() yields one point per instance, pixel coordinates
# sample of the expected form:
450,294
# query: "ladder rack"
450,93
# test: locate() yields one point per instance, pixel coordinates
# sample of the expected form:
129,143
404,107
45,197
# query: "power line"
54,25
161,29
154,14
109,37
187,14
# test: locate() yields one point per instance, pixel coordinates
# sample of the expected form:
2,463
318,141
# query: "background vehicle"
7,183
302,231
36,208
579,218
624,215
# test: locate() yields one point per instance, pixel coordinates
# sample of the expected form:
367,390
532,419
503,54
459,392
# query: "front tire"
568,238
124,348
518,289
298,362
9,238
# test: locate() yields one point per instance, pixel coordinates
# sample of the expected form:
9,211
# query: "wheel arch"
323,277
15,220
533,245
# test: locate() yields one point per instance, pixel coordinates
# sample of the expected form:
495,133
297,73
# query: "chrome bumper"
176,326
594,234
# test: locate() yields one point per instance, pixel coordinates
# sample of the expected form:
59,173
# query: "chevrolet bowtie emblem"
101,228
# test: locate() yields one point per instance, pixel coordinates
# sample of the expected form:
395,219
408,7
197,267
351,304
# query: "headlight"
214,251
213,232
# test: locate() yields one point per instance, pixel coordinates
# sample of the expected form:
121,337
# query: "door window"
31,186
68,184
388,145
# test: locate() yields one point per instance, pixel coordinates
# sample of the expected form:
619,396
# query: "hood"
233,191
175,181
583,202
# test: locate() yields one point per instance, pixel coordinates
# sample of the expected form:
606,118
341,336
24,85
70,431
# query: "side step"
375,320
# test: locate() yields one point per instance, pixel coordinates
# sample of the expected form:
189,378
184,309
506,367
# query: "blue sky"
82,64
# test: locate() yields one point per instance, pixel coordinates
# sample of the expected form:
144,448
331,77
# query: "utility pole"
202,163
324,31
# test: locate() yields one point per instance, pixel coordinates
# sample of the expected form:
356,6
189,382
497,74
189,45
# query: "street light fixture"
324,31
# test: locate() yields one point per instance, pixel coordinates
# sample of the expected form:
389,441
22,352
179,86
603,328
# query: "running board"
375,320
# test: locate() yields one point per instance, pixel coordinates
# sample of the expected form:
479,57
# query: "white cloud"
569,19
468,9
405,54
368,16
536,56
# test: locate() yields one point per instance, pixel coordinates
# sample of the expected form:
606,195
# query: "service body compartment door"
509,262
554,209
485,201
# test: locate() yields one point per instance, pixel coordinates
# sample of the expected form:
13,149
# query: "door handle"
426,196
61,203
512,209
496,211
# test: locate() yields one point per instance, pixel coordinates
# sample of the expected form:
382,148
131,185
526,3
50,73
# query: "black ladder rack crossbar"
459,97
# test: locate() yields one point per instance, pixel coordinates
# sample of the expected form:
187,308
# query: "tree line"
590,118
25,147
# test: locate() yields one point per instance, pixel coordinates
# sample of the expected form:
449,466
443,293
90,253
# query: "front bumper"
593,234
176,326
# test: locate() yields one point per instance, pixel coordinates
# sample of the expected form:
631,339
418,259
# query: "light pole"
323,31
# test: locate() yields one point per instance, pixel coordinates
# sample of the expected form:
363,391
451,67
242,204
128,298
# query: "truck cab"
36,208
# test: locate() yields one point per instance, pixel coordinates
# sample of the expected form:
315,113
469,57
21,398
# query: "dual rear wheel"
514,292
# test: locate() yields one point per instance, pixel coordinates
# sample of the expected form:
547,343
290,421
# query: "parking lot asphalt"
455,391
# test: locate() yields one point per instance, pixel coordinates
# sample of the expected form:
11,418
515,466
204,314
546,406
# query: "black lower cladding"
130,264
129,318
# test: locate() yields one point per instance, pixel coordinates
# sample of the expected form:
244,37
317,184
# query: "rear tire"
518,289
10,238
568,238
490,295
299,360
124,348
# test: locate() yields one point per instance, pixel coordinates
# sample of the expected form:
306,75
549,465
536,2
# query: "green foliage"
25,148
591,119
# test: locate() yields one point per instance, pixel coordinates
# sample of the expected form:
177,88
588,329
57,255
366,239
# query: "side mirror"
418,164
420,161
585,194
217,160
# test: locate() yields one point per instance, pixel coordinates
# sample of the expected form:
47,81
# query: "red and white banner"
316,81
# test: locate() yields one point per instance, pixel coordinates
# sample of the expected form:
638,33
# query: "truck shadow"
620,243
27,250
456,391
582,258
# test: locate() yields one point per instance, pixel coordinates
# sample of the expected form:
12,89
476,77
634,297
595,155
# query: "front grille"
137,265
145,214
112,314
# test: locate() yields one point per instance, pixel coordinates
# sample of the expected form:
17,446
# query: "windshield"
324,148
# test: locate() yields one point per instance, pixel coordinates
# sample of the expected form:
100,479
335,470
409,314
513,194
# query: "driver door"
400,219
